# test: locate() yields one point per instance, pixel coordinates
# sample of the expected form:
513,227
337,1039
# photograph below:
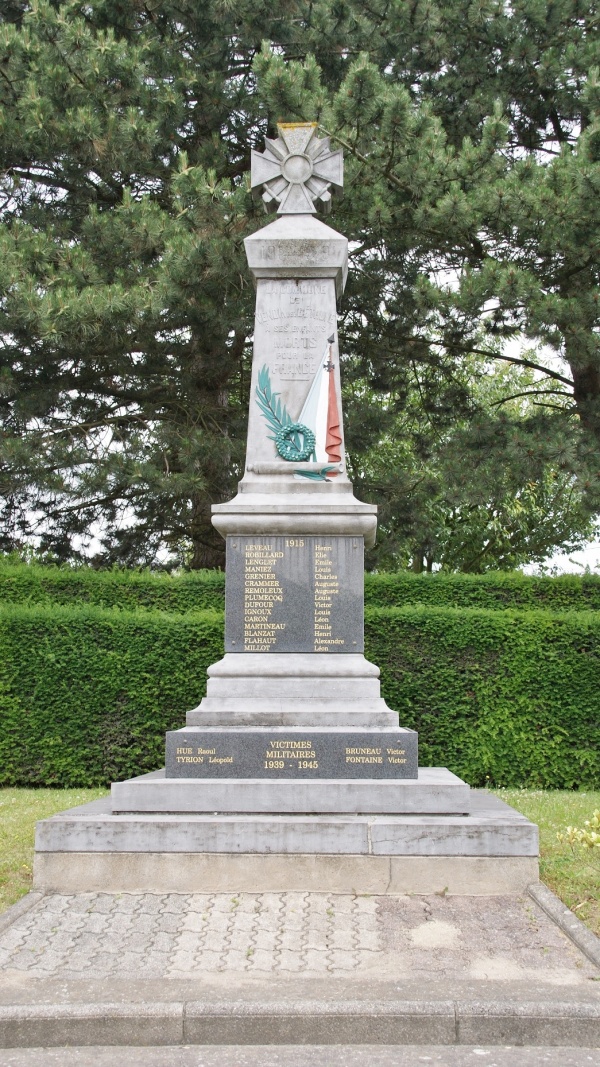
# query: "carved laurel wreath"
289,445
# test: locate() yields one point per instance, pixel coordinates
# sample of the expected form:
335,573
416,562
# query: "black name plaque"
291,753
294,594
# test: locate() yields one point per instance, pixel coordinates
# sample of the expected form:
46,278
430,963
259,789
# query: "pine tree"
471,138
126,306
488,491
471,132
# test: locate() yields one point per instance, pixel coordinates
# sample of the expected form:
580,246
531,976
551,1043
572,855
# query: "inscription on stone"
294,594
291,753
294,319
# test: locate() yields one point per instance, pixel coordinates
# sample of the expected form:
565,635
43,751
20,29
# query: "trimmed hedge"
567,592
501,698
205,590
126,590
88,694
506,698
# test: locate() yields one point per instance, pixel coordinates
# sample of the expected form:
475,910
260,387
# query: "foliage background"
506,696
471,138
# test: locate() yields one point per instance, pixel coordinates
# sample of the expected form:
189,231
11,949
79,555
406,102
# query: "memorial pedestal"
491,850
292,774
297,689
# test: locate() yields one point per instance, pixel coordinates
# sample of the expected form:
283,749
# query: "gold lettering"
283,753
291,744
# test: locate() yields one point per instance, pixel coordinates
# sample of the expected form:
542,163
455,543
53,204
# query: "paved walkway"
179,936
293,969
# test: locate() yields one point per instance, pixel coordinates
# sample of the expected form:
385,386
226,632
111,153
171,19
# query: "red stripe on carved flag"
333,441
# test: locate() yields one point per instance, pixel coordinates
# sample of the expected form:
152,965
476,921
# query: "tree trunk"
586,394
208,547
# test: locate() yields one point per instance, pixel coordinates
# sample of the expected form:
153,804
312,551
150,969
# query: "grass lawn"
19,811
571,875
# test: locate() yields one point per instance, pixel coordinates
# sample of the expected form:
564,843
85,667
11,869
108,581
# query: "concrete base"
493,850
436,791
185,872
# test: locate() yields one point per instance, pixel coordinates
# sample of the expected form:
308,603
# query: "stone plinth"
270,689
435,792
291,753
493,850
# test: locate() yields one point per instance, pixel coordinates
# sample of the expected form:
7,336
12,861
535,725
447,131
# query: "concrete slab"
491,829
436,791
279,853
213,872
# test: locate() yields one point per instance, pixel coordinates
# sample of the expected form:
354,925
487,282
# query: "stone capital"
298,246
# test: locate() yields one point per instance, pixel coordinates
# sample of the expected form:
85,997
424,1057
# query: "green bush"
568,592
88,694
205,590
501,698
128,590
508,698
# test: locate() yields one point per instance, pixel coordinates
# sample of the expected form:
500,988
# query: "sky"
571,562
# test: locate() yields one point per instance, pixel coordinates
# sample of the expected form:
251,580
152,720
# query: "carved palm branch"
275,413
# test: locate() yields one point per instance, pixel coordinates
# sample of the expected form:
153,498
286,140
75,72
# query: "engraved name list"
294,594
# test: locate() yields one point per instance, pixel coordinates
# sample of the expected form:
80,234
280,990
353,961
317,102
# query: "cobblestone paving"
183,936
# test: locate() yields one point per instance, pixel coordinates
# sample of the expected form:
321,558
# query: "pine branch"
490,355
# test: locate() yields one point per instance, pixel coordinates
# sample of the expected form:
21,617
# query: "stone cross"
297,172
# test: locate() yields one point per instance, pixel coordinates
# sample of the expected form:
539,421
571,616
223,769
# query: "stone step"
492,850
435,791
293,689
487,833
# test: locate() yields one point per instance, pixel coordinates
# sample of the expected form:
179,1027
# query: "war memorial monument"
292,774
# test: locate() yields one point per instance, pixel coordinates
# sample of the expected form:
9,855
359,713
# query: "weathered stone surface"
280,753
115,871
298,248
293,689
294,594
436,791
492,829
